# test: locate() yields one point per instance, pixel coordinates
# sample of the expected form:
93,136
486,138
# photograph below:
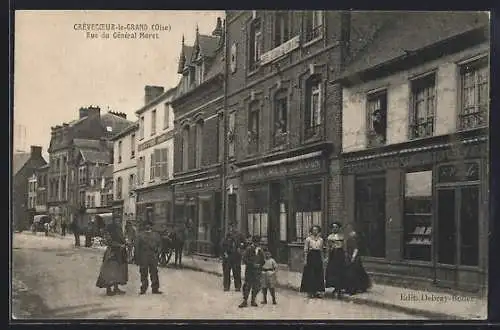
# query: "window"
313,114
231,133
308,210
418,216
313,24
119,188
153,122
161,169
192,77
253,129
281,28
475,94
370,215
185,148
132,146
141,128
119,151
152,166
131,182
199,143
166,115
280,119
423,107
204,220
63,187
141,168
255,44
377,118
199,73
257,213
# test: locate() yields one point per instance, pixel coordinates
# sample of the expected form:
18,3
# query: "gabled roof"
19,159
411,31
94,157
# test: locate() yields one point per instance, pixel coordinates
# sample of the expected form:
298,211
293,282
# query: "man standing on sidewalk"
76,231
147,249
231,258
253,258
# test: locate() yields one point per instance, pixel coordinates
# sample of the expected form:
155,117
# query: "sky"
58,68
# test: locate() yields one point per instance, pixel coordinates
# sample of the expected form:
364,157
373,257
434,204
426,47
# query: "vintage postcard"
242,165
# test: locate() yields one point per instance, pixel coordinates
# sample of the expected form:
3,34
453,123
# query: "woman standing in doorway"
335,270
313,275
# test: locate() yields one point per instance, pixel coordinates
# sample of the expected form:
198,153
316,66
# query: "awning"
41,218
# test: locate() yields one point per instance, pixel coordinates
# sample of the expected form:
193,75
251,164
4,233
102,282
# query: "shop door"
458,232
278,223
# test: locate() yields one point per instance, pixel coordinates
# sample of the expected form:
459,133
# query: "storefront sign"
156,140
281,50
305,165
158,194
458,172
200,185
399,160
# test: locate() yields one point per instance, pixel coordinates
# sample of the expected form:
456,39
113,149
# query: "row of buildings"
285,119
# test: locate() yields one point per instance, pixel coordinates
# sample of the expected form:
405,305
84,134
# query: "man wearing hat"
254,259
232,246
148,244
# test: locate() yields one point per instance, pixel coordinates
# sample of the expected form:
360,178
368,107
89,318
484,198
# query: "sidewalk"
433,305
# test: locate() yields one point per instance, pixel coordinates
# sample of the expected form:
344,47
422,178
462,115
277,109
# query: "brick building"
90,133
415,131
198,108
155,151
24,165
284,120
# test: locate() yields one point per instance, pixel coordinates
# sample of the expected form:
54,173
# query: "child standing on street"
269,279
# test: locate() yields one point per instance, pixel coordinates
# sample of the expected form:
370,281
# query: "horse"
171,242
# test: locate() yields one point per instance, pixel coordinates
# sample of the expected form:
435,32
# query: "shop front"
154,204
283,200
198,207
422,211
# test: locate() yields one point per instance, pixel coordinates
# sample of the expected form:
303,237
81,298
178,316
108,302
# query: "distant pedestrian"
269,278
63,227
313,280
147,250
189,236
356,279
89,233
336,268
76,231
232,248
114,268
254,259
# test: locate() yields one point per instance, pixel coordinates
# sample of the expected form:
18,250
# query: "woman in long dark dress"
313,275
114,268
336,267
357,280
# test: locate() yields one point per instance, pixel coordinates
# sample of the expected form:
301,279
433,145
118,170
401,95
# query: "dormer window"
192,75
199,73
109,129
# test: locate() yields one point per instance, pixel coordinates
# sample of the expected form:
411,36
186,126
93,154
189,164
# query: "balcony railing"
280,138
253,142
473,120
423,128
313,132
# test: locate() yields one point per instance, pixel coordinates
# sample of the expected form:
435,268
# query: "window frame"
152,166
141,127
153,122
231,134
475,65
316,31
311,131
166,115
120,148
198,157
132,146
253,132
281,23
119,188
371,134
255,44
185,147
281,104
426,82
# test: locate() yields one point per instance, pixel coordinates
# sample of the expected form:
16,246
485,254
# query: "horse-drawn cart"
41,223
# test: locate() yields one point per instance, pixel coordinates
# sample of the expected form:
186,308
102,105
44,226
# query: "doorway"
278,220
458,231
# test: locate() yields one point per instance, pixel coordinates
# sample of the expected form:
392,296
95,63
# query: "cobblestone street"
52,279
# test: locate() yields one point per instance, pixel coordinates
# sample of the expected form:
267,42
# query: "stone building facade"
198,108
154,157
415,150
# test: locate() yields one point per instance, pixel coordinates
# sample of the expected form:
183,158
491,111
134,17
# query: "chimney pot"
36,151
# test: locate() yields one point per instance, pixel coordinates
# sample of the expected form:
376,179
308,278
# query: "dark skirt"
313,276
357,280
335,270
114,268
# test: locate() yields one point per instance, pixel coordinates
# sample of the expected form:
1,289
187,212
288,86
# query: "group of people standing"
114,268
344,271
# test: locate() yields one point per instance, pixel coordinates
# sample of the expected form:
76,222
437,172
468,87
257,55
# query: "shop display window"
308,210
418,216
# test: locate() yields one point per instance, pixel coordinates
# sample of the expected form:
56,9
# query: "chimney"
151,93
94,111
36,151
218,28
84,112
119,114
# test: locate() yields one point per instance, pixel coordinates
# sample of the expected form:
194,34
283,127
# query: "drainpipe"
225,123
